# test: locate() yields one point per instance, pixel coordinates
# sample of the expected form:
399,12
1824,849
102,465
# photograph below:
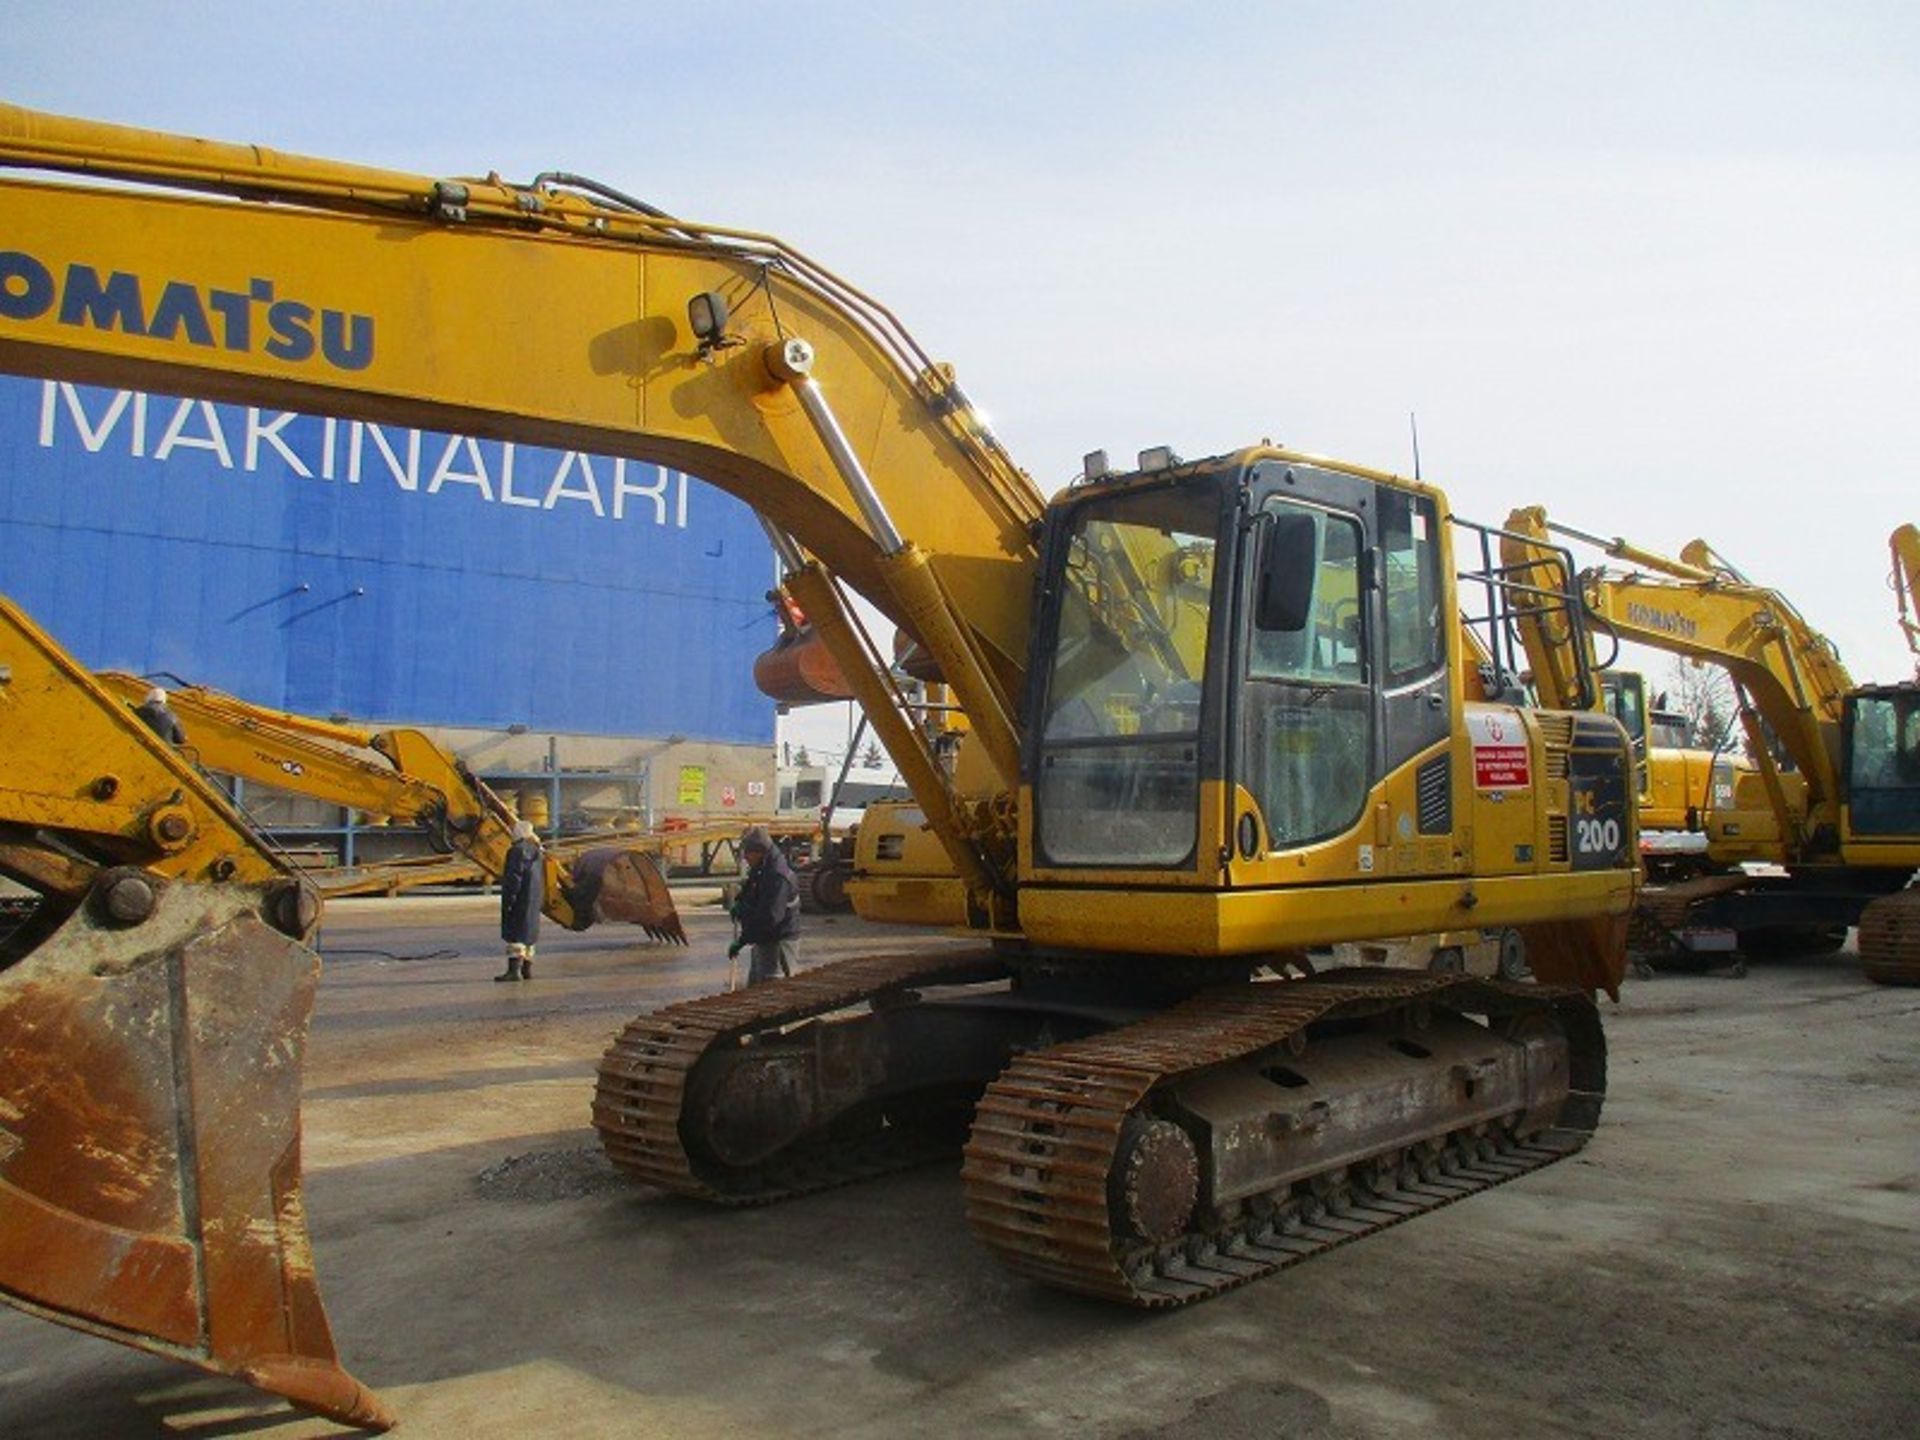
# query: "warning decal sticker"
1500,757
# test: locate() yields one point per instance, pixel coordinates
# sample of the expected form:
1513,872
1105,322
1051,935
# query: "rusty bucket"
150,1061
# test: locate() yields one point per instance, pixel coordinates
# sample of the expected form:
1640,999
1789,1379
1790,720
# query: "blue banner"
388,574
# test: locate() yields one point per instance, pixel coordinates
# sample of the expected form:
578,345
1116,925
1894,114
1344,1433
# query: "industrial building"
581,629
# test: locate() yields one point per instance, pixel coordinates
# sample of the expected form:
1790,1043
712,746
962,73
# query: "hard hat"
156,696
523,830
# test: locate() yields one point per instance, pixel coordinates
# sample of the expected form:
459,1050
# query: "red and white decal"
1500,757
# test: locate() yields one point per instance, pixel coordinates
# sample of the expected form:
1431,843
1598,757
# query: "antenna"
1413,424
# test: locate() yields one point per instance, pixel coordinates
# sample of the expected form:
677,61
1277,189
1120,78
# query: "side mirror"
1289,555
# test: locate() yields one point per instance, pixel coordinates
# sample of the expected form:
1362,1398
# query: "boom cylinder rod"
792,361
885,533
784,547
1620,549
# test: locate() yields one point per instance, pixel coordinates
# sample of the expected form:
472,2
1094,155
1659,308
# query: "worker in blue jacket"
768,909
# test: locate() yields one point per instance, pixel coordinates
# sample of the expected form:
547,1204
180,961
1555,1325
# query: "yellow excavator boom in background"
404,775
1833,794
1224,712
1904,544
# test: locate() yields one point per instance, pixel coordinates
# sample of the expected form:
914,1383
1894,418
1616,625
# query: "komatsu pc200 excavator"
1833,792
404,775
1226,706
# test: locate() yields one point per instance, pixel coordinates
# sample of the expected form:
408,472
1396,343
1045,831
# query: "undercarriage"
1148,1149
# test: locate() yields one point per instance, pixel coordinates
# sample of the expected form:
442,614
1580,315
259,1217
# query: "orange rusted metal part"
150,1141
797,670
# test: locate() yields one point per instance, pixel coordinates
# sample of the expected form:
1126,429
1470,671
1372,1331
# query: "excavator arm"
1554,635
404,775
540,314
159,988
1904,544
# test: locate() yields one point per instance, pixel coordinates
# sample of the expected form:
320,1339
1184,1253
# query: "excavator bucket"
153,1017
150,1137
624,886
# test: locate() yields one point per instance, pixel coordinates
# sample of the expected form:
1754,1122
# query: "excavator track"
1066,1145
1890,939
641,1098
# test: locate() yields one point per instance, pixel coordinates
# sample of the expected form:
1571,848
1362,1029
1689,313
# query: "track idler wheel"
1155,1180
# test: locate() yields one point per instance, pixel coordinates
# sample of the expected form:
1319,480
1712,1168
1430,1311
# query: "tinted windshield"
1883,764
1119,777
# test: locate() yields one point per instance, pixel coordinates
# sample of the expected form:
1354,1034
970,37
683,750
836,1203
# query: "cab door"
1305,719
1416,697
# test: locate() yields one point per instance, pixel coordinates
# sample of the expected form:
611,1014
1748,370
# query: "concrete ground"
1736,1254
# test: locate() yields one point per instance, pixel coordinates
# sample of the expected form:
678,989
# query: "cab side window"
1306,705
1409,541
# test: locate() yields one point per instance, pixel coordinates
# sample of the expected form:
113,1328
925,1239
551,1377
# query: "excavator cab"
1625,695
1881,738
1229,627
1253,719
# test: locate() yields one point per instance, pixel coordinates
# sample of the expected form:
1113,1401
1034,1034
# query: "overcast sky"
1656,266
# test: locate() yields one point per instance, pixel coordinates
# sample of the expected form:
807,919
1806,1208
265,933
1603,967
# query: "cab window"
1306,707
1409,542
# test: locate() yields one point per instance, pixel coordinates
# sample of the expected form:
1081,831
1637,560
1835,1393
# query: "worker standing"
768,909
522,882
160,717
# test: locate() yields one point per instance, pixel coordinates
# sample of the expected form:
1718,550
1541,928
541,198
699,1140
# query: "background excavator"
403,775
1831,790
1224,709
1674,776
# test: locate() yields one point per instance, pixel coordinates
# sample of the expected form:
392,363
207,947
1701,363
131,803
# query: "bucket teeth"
625,887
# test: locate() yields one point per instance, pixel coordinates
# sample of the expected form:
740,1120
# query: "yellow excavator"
403,775
1225,709
1831,791
1674,776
